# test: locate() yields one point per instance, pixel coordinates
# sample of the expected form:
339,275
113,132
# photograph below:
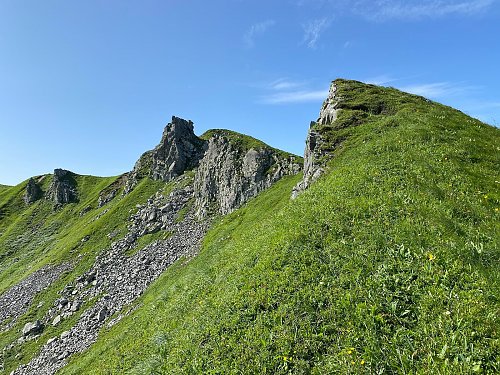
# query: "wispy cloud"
383,10
286,91
300,96
380,80
313,31
255,30
437,90
284,84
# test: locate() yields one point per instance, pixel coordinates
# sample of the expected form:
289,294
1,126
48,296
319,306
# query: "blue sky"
89,85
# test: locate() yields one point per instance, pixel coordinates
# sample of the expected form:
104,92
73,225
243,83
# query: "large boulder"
32,328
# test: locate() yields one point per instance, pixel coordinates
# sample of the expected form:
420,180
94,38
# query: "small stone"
64,355
56,320
75,306
65,334
32,328
50,341
101,316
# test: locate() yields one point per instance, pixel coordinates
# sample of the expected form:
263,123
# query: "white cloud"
284,84
383,10
313,31
380,80
436,90
256,30
301,96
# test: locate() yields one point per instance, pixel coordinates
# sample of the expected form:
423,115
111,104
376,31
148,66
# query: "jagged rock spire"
179,150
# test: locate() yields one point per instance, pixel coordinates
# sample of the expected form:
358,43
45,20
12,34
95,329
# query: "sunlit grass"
388,264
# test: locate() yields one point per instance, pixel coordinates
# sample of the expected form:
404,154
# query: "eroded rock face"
179,150
329,109
313,165
62,190
229,176
227,173
33,192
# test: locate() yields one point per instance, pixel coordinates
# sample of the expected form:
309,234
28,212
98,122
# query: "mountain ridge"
385,260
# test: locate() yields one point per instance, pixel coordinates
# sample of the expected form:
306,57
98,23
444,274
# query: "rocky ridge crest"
228,172
314,156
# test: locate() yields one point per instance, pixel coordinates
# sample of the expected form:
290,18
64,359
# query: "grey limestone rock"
313,154
228,175
32,328
62,190
179,150
228,172
56,320
33,192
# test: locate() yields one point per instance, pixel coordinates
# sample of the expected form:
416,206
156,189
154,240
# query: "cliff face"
230,168
229,175
314,153
179,150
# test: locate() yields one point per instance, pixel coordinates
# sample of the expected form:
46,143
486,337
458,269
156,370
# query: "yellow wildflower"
431,257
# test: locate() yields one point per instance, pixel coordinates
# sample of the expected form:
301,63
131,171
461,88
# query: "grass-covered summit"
387,263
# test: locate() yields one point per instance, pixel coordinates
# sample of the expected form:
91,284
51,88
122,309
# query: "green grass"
245,142
387,264
37,235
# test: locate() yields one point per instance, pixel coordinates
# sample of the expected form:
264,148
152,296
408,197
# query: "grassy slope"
37,235
388,264
245,142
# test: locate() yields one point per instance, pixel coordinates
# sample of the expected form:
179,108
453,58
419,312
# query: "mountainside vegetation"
387,263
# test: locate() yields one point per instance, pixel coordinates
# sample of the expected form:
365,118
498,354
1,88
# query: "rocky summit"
229,168
197,261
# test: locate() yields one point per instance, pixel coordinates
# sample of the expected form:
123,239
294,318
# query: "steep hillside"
387,263
75,251
385,260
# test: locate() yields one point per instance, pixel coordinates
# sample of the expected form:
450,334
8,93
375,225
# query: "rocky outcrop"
229,175
314,154
230,168
62,190
179,150
33,192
